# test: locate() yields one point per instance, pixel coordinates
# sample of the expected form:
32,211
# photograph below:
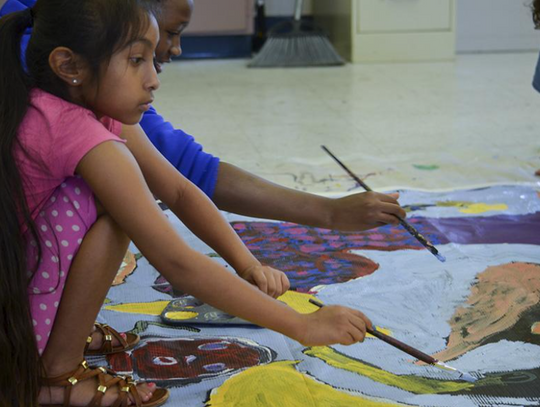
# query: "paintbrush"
424,357
411,229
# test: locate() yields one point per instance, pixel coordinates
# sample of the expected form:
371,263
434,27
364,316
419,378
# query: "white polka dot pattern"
65,219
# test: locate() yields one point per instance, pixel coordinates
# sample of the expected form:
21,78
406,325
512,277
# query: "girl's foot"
85,389
105,340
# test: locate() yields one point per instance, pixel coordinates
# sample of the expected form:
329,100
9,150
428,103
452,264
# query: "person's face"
173,20
127,85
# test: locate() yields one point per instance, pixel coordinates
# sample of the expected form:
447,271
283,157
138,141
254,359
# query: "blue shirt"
179,148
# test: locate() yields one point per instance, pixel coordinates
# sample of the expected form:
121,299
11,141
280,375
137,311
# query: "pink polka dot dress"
53,138
62,224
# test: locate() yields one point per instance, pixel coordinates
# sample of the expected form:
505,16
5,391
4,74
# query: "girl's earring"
75,81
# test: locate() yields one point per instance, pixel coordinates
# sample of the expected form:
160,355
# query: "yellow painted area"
414,384
300,302
146,308
279,384
535,329
481,208
181,315
474,208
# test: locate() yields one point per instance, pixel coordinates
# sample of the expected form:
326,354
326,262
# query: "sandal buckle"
84,364
73,381
102,389
125,389
108,338
89,340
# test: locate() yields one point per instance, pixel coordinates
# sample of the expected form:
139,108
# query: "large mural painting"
479,312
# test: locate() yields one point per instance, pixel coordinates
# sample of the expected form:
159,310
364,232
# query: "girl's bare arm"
116,179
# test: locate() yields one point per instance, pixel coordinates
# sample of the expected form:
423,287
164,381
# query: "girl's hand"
269,280
333,324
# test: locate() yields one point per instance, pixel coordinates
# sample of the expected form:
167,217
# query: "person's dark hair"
535,7
94,30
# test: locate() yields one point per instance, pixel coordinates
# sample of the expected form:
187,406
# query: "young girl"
231,188
71,190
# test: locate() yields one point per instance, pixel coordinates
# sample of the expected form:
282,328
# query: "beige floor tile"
475,121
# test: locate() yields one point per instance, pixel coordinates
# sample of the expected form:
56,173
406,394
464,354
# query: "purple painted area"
313,256
521,229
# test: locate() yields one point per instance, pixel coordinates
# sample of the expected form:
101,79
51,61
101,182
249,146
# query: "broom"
296,43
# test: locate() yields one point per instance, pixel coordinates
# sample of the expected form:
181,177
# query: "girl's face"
128,83
173,20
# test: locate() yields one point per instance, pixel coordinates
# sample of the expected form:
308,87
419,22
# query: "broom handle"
298,10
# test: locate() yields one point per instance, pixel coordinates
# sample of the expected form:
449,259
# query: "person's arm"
182,151
241,192
189,204
117,181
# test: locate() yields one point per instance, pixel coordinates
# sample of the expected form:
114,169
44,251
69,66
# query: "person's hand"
269,280
333,324
365,211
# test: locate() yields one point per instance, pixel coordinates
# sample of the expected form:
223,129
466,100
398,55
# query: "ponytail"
20,371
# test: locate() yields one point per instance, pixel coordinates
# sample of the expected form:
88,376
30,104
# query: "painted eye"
165,361
214,346
214,367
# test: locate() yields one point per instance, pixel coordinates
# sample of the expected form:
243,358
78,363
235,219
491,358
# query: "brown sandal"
107,348
125,383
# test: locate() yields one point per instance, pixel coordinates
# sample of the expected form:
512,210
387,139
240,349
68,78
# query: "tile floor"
474,121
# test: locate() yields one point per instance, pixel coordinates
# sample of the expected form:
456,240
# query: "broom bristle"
311,49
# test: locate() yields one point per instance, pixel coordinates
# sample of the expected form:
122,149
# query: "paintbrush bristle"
462,375
467,377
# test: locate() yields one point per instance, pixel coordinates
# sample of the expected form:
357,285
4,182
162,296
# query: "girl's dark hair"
94,30
535,7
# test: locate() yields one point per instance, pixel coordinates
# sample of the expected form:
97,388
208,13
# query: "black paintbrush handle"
411,229
424,357
347,170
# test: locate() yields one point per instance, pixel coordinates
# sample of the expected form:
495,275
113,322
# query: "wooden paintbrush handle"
424,357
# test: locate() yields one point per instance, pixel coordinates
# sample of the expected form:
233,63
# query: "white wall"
495,25
282,8
482,25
